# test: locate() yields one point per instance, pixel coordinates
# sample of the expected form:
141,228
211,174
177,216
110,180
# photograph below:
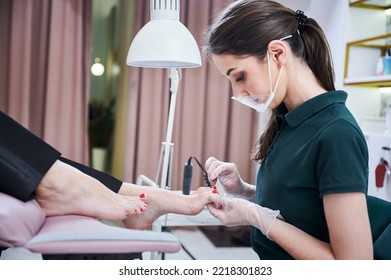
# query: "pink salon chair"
24,225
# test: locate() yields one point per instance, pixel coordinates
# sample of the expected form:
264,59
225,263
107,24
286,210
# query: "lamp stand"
159,166
175,76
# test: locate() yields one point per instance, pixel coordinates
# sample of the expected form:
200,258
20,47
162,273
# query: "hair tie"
301,18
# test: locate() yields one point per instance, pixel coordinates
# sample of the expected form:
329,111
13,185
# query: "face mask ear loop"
270,72
270,76
278,79
272,92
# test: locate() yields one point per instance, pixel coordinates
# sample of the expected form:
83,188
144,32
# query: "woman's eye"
240,78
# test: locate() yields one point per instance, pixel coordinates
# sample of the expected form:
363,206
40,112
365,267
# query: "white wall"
331,16
341,25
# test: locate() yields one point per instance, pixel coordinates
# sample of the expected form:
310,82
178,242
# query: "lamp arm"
175,76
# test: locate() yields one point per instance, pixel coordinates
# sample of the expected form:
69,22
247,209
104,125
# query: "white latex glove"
237,211
228,176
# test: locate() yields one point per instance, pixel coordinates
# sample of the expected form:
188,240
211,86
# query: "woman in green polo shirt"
310,197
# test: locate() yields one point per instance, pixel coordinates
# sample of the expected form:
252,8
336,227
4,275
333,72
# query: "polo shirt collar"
313,106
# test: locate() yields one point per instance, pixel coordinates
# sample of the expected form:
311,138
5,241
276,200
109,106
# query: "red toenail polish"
215,191
141,210
142,195
215,187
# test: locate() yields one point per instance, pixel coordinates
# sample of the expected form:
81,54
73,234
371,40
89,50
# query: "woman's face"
248,75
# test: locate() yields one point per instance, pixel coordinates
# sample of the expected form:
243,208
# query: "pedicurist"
309,201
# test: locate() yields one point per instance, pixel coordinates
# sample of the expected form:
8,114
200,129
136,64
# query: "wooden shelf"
379,42
370,81
382,42
371,4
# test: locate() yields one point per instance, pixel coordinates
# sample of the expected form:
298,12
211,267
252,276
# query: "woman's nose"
238,91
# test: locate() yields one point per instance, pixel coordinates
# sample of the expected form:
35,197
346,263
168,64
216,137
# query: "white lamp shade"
164,43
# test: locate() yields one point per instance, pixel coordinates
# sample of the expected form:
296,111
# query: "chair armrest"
143,178
382,246
73,234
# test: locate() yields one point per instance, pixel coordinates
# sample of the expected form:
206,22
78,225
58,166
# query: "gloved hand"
228,175
237,211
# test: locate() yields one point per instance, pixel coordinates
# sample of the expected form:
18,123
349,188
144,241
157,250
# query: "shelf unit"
377,44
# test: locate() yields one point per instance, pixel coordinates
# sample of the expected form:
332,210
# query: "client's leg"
66,190
161,202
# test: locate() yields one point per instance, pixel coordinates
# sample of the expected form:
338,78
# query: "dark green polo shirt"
319,149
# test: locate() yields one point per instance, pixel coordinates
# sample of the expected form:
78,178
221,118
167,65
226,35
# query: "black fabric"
119,256
24,159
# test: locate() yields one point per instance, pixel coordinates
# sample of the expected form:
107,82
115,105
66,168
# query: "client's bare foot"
65,190
161,202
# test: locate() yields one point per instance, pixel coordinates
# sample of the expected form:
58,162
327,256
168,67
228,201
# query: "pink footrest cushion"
19,221
24,224
80,234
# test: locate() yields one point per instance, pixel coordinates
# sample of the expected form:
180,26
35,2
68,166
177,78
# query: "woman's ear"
278,52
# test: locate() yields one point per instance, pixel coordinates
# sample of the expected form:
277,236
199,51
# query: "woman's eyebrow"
229,71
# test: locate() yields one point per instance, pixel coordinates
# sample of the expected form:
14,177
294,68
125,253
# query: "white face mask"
256,102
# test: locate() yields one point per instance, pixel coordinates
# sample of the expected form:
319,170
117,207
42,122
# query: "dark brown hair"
246,27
